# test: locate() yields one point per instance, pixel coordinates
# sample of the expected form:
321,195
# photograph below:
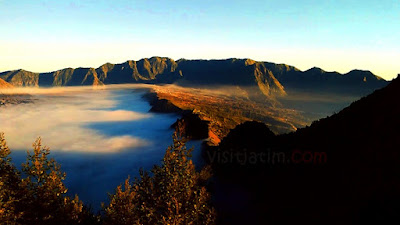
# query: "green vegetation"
174,193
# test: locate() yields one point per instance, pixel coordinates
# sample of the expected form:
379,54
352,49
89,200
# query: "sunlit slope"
4,84
64,77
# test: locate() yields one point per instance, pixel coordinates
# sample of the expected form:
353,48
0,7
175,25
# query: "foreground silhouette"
343,169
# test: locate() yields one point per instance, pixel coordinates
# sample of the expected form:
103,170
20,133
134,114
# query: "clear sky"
336,35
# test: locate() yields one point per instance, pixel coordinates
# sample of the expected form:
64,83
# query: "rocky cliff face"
249,75
64,77
155,69
20,78
70,77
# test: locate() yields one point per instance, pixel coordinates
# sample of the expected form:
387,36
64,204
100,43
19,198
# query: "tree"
38,196
10,189
45,198
174,194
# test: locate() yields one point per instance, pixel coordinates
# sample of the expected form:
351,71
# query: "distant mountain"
363,137
369,124
70,77
142,71
64,77
20,78
247,74
4,84
153,70
318,80
261,78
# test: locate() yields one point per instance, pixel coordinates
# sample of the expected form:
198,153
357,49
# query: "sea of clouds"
60,117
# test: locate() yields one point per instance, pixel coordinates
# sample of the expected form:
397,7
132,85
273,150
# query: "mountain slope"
20,78
64,77
362,172
70,77
145,70
369,123
245,73
358,183
4,84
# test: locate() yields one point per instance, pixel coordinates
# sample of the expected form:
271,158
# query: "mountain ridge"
278,66
269,79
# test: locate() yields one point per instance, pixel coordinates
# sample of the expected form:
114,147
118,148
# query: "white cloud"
59,116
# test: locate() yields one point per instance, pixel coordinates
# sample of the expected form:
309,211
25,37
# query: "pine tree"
10,189
38,194
174,194
45,198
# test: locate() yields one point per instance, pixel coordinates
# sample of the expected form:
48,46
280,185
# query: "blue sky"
339,35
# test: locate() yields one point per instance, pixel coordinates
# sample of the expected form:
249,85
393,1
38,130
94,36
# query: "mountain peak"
249,62
364,74
357,71
316,70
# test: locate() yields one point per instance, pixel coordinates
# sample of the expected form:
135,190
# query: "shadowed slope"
244,73
358,183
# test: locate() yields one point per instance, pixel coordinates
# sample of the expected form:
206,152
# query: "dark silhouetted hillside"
343,169
370,124
248,135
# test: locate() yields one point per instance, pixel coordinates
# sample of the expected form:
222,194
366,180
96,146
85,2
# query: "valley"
13,99
226,109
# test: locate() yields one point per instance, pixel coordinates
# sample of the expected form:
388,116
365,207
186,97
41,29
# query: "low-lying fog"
314,106
61,119
99,136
